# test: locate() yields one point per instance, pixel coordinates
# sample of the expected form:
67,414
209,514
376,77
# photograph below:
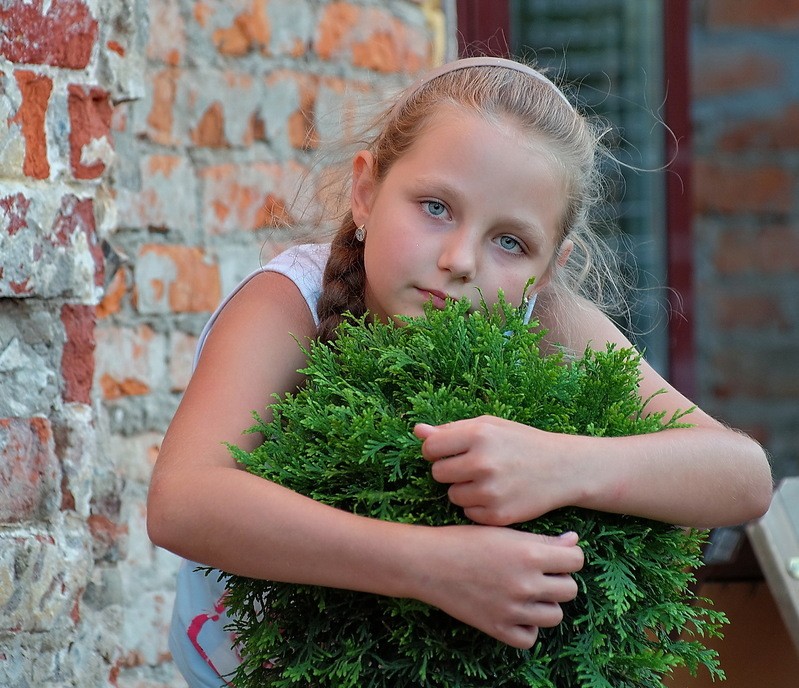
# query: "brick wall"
146,149
745,63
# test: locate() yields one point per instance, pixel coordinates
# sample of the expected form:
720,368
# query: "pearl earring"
360,233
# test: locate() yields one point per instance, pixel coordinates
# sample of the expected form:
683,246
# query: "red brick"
250,31
201,13
777,14
371,37
724,71
256,130
106,533
114,295
63,35
109,533
35,90
77,359
127,387
116,47
90,114
27,467
302,122
733,188
210,130
337,23
750,311
778,131
128,361
769,250
756,373
161,117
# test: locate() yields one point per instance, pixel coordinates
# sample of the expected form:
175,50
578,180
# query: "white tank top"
201,647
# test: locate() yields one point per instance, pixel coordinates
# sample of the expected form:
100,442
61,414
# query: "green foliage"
346,439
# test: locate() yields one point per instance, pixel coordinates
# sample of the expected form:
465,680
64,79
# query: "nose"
458,255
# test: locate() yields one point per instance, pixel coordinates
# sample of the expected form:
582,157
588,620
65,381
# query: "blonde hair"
498,93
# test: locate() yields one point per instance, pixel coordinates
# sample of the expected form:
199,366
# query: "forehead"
494,167
473,131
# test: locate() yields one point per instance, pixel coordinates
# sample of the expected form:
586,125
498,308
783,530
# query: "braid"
343,281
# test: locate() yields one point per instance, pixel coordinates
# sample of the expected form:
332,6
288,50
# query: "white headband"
468,62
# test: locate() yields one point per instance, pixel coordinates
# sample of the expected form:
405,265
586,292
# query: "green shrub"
346,439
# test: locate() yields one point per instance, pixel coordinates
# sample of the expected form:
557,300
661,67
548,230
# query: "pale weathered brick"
44,574
129,361
243,198
166,199
49,247
29,476
176,279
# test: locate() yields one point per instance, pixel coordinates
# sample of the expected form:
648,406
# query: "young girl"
481,177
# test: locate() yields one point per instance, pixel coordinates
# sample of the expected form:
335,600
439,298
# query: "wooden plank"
775,539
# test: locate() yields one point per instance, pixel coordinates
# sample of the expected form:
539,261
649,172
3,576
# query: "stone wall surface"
149,149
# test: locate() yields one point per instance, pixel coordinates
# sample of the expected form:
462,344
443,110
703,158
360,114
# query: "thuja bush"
345,439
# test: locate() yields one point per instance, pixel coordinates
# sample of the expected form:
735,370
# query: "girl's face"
470,206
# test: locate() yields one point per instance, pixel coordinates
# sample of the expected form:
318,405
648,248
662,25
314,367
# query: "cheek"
542,272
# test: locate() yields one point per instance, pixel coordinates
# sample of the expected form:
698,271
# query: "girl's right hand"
504,582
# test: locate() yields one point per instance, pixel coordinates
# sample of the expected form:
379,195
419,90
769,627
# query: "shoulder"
253,352
575,323
304,265
303,258
267,301
300,269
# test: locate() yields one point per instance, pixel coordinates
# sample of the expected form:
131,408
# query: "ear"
564,252
363,186
562,257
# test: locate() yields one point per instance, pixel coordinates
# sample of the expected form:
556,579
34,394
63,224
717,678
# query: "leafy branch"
345,439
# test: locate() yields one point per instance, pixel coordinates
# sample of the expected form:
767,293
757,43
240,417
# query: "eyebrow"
446,189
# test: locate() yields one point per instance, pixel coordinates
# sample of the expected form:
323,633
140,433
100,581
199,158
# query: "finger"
486,516
442,443
453,469
463,495
565,560
544,614
555,555
568,538
558,588
423,430
522,636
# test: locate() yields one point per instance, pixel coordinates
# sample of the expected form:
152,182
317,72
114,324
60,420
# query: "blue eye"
508,243
435,208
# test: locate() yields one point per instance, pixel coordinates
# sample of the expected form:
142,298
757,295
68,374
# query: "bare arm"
705,476
203,507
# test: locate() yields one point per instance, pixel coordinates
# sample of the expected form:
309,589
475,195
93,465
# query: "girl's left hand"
499,471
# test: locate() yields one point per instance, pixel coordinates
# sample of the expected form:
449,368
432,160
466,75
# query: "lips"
438,298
